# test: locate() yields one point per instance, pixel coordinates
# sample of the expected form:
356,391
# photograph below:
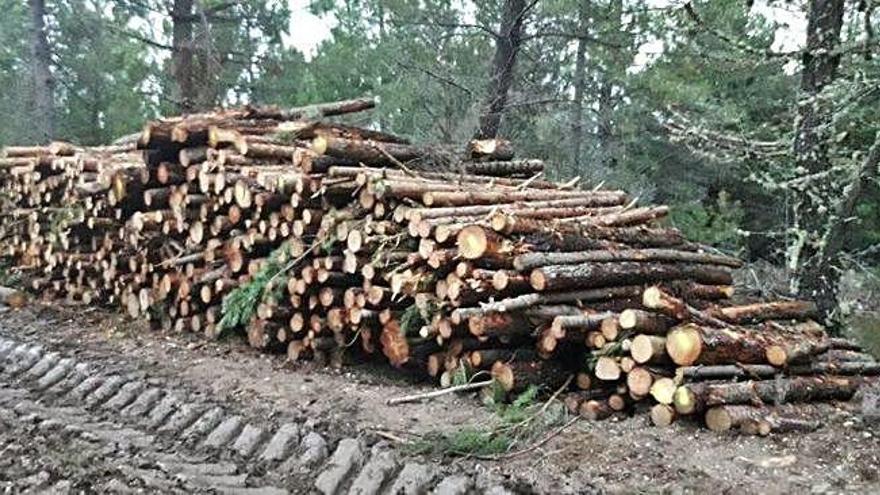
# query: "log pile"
332,242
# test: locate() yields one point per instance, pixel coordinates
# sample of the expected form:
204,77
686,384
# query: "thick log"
662,415
691,344
516,376
586,275
536,299
648,349
490,149
777,310
589,237
531,261
645,322
752,371
700,396
484,197
371,152
760,420
504,168
315,111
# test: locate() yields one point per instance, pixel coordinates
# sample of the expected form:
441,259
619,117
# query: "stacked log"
331,242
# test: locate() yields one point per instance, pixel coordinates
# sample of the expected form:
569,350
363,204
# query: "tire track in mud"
73,424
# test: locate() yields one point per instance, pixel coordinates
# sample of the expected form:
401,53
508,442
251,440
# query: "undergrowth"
513,426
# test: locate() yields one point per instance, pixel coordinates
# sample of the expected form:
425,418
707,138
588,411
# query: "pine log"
696,397
586,275
490,149
760,420
516,376
536,299
662,415
531,261
484,197
504,168
645,322
740,371
777,310
648,349
694,344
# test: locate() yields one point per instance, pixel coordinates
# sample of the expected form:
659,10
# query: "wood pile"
332,242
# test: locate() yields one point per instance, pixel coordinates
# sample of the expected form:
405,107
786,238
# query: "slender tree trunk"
43,83
182,57
579,83
606,133
507,45
816,275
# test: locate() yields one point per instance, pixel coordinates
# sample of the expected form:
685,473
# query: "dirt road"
91,402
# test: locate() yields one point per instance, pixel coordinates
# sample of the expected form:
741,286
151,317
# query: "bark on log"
531,261
778,391
778,310
585,275
464,198
504,168
691,344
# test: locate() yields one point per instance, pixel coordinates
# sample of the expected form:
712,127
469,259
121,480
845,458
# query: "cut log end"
473,242
718,419
662,415
684,344
663,390
503,375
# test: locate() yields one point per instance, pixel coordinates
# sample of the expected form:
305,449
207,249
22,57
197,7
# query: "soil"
622,455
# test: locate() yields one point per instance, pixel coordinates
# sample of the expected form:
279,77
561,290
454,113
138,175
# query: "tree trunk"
816,275
606,133
182,68
44,84
507,45
579,83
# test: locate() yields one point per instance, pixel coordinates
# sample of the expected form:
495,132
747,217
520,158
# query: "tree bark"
586,275
580,86
182,67
43,82
507,45
816,275
781,391
530,261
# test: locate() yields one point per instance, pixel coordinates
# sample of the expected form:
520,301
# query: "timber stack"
332,242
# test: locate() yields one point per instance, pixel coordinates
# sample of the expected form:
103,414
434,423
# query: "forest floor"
616,456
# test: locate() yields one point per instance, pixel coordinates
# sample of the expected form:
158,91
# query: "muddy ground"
624,455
